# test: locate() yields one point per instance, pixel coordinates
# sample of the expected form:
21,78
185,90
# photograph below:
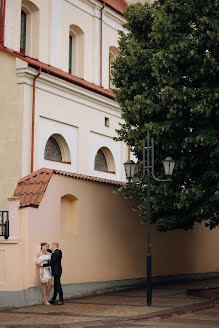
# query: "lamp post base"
149,281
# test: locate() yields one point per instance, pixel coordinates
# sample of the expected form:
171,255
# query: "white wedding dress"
44,259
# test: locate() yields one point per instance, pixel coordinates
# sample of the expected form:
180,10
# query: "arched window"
113,53
70,54
76,51
23,32
52,150
100,161
57,149
29,33
104,161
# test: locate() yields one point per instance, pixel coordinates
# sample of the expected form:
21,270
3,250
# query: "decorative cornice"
68,91
87,6
51,70
113,19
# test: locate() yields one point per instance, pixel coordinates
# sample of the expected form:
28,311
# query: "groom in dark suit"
56,267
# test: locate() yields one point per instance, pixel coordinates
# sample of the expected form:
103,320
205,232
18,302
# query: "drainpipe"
101,43
2,22
33,118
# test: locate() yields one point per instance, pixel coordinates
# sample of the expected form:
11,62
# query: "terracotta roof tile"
118,5
60,74
88,177
31,188
38,198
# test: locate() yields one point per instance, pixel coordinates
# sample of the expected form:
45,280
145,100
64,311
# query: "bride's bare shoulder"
39,254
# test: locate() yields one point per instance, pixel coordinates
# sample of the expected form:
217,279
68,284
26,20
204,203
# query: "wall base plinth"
33,295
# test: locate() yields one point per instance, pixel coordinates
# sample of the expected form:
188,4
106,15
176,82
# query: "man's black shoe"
52,302
59,303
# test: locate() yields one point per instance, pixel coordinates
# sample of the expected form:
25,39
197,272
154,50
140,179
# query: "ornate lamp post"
148,167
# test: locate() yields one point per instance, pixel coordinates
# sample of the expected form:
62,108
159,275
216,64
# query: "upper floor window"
76,51
57,149
100,161
70,54
52,150
23,32
104,160
29,32
113,53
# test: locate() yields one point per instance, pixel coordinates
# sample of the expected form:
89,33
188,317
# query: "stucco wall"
60,107
107,241
80,119
185,252
10,257
104,246
63,105
11,116
50,30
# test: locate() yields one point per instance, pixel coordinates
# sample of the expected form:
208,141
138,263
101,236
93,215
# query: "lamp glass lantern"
168,164
129,169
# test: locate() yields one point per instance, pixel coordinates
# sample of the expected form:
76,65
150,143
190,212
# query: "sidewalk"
171,308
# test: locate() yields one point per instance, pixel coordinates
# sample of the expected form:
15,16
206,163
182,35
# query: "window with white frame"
52,150
23,32
104,161
113,53
29,29
76,51
56,149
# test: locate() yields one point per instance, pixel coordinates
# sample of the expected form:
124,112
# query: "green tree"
166,78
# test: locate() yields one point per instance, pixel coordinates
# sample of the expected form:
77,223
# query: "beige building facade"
42,99
102,240
60,164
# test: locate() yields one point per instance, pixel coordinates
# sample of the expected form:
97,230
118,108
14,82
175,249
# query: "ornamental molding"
67,90
113,19
87,6
93,7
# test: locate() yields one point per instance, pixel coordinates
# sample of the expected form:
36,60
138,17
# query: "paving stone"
171,308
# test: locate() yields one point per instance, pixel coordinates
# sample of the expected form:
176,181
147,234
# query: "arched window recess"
113,53
57,149
76,51
104,161
29,29
23,32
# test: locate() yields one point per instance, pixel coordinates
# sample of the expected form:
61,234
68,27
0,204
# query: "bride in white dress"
45,274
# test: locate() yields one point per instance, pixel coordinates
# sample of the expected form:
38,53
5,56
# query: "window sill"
53,160
111,172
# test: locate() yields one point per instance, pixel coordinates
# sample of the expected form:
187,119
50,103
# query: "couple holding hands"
47,258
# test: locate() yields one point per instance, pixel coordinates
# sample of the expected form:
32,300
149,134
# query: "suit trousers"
57,288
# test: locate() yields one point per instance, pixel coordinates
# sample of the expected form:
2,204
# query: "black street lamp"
130,165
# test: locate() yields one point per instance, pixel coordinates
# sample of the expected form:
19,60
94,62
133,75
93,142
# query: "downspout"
33,118
2,22
101,43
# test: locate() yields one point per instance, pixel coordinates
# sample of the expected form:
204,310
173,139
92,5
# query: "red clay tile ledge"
88,177
117,5
31,188
34,63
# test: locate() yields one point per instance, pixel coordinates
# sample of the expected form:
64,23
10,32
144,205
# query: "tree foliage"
166,78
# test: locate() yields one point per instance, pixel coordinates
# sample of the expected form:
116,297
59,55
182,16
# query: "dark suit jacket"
55,263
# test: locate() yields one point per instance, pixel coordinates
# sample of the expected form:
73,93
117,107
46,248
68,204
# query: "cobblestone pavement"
171,308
